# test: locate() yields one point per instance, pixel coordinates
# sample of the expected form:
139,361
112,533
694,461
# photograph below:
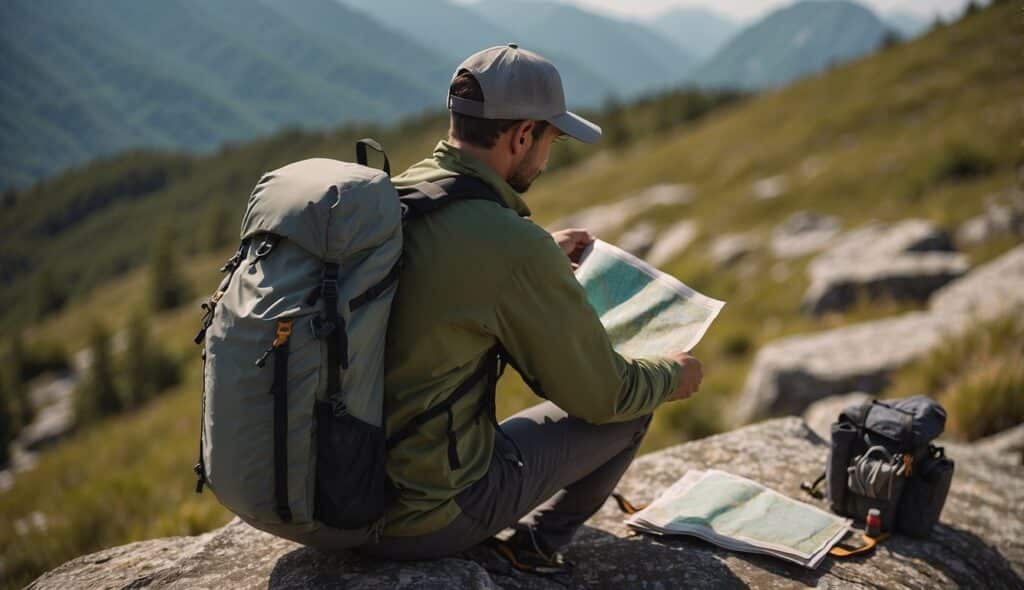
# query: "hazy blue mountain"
699,31
792,42
907,24
635,58
459,31
83,79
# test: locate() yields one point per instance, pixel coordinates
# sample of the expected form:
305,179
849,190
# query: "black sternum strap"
279,389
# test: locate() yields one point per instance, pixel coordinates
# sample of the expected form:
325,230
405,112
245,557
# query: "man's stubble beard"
525,173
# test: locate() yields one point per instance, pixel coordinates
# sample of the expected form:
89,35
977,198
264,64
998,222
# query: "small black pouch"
352,485
925,494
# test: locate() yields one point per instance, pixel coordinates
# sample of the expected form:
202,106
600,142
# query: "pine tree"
98,396
8,428
138,387
167,286
146,367
48,294
614,125
12,378
218,231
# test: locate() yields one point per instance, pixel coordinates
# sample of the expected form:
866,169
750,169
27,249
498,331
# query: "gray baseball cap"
519,84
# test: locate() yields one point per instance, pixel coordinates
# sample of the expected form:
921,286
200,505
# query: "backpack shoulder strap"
425,197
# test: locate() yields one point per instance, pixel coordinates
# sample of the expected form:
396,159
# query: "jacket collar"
458,161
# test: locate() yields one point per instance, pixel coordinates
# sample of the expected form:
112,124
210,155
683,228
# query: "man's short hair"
480,132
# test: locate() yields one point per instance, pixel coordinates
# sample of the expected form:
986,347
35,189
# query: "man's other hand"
689,381
573,242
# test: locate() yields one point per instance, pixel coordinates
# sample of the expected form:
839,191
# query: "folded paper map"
740,514
646,312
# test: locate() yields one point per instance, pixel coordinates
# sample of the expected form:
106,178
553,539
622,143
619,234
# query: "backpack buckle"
265,246
329,288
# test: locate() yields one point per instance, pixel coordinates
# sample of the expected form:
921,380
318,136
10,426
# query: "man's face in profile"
534,161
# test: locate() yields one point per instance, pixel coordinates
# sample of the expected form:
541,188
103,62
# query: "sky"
745,10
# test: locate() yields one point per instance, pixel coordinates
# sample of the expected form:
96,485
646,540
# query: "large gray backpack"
292,436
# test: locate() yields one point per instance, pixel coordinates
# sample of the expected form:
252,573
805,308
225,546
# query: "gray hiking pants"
570,467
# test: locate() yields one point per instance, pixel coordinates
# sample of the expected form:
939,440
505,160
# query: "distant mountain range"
84,79
698,31
795,41
634,58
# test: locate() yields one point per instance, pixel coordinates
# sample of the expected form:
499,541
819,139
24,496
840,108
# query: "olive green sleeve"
556,339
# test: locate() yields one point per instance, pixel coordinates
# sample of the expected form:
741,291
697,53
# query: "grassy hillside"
908,132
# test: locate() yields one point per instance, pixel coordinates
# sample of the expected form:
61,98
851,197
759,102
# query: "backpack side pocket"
925,495
352,485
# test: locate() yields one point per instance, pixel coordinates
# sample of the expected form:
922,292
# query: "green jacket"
477,274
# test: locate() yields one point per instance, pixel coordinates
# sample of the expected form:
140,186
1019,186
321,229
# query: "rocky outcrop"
606,219
903,261
728,249
639,239
791,373
771,187
979,541
803,233
672,241
988,292
821,414
1003,215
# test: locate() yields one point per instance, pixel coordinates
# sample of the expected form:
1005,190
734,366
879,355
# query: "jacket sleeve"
557,341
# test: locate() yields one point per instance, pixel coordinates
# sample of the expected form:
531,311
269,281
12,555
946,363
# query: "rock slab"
905,261
979,541
791,373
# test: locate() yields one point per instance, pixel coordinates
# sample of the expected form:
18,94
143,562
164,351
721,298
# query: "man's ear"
522,137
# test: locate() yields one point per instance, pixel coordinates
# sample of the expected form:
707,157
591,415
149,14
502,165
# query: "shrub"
961,162
988,399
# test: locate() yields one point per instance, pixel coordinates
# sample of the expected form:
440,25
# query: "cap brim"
576,127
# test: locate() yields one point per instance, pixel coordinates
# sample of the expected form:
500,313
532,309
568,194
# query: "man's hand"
689,381
573,242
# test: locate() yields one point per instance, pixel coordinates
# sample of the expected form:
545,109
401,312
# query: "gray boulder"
728,249
990,291
638,239
979,541
903,261
1003,214
821,414
609,218
803,233
791,373
672,241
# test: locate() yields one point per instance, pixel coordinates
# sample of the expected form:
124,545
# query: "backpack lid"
909,423
300,200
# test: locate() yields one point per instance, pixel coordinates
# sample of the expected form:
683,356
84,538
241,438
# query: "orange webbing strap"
627,506
284,332
869,544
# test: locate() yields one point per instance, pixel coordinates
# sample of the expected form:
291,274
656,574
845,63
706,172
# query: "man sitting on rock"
480,277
